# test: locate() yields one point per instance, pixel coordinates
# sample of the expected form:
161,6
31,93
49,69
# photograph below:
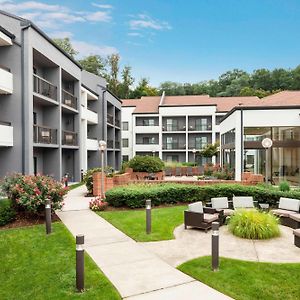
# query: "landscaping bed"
245,280
36,266
134,195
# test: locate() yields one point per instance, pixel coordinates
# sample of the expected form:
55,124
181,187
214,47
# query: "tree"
143,89
65,44
127,82
249,91
262,79
94,64
210,150
113,72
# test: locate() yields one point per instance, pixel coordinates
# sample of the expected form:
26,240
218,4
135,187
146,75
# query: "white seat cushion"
219,202
208,218
297,232
243,202
289,204
228,212
196,207
282,212
295,217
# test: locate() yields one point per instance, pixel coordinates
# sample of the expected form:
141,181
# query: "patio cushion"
208,218
282,212
295,217
289,204
196,207
243,202
297,232
219,202
228,212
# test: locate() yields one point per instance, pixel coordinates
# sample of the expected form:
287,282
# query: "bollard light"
148,216
66,180
48,216
80,262
81,175
215,246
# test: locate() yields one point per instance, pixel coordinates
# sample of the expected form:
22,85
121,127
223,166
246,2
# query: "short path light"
267,144
148,216
194,152
215,246
48,216
79,262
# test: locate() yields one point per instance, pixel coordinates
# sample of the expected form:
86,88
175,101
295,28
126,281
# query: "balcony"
6,81
6,134
169,128
69,99
44,87
200,127
197,146
174,146
117,144
117,123
69,138
89,115
110,144
92,144
44,135
110,119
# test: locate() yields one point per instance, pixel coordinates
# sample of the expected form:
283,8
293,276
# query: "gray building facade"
42,110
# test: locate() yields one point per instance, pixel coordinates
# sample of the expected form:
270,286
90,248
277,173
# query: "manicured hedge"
134,196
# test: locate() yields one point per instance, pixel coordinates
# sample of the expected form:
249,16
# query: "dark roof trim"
128,105
259,108
145,113
114,96
185,105
9,34
27,23
90,90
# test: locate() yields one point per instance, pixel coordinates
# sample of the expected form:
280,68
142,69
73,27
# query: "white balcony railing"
92,144
6,81
6,135
89,115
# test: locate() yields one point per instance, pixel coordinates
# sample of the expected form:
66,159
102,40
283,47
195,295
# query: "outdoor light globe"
102,145
267,143
194,151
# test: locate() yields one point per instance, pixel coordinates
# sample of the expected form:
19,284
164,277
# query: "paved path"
137,273
176,252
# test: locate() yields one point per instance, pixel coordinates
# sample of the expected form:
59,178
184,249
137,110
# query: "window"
201,142
125,158
172,158
172,124
148,140
125,143
125,126
148,122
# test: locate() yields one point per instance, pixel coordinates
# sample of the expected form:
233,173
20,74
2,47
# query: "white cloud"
61,34
146,22
134,34
86,49
104,6
99,16
28,5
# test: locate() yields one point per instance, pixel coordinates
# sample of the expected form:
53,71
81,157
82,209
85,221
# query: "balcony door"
171,142
200,142
201,124
172,124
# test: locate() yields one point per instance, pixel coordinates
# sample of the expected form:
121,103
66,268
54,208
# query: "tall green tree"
127,82
113,72
94,64
66,45
143,89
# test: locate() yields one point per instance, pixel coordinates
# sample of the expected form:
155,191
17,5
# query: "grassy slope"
36,266
132,222
244,280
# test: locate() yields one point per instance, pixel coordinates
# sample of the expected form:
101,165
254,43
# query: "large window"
125,126
125,143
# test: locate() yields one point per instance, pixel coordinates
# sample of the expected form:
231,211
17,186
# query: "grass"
253,224
132,222
244,280
36,266
75,185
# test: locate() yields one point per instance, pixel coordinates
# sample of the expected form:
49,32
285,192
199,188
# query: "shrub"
7,212
284,186
88,177
134,195
150,164
29,192
252,224
98,204
218,172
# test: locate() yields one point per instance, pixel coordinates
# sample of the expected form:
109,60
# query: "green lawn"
36,266
244,280
132,222
75,185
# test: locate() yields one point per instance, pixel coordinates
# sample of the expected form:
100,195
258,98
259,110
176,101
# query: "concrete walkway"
136,272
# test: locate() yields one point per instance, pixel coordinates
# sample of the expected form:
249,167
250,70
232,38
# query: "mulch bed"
24,220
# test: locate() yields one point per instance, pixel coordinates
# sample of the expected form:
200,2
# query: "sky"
175,40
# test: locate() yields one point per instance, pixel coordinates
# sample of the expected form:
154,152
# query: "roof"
185,100
9,34
147,105
28,23
287,98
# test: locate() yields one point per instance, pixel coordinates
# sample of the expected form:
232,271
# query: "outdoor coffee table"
264,206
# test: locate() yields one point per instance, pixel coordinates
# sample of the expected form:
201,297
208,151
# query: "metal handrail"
69,138
71,102
44,87
44,135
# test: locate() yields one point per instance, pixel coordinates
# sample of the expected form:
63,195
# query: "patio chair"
296,233
244,202
288,211
189,171
178,171
168,172
200,217
222,203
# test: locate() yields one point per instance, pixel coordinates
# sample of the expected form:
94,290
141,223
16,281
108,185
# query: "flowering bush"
218,172
98,204
29,192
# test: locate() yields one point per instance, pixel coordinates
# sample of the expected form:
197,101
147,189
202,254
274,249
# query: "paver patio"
136,272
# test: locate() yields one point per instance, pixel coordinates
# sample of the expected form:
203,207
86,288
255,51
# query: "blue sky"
184,41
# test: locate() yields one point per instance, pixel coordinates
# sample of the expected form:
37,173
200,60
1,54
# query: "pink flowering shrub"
29,192
98,204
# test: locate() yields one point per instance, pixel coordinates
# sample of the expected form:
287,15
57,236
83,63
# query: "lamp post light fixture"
267,144
153,152
194,152
102,148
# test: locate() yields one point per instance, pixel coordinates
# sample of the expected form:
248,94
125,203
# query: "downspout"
242,142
